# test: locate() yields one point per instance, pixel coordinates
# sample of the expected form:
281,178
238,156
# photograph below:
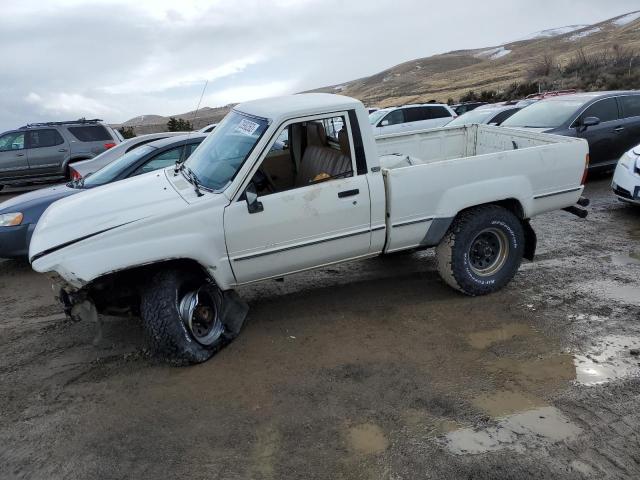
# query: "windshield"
375,116
219,158
545,114
109,172
472,117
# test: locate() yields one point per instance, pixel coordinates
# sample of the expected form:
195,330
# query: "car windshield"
545,114
109,172
472,117
375,116
219,158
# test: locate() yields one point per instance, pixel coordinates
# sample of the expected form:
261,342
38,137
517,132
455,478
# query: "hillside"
453,74
158,123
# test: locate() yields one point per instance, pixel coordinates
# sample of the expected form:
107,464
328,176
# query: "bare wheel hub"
488,252
200,312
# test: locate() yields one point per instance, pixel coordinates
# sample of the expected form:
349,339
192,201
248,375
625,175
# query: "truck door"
309,210
13,155
47,151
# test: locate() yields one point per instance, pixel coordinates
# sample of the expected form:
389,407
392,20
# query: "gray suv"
42,152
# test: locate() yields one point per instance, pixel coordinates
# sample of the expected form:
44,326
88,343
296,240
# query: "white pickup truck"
276,190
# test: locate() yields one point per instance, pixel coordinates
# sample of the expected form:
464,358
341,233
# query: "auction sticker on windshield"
247,127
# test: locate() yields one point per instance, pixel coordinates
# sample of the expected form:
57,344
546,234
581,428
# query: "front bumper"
626,185
14,241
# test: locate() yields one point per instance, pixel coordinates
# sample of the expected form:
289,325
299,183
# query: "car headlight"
10,219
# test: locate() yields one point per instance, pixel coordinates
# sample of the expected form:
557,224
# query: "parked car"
410,117
19,215
609,121
626,179
484,115
173,246
86,167
372,109
208,128
42,152
462,108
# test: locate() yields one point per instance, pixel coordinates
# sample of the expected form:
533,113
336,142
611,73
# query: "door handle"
618,129
62,150
348,193
19,154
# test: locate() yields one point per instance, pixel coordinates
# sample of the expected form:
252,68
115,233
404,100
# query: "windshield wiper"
193,178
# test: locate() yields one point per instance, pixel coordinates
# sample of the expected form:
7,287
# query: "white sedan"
626,179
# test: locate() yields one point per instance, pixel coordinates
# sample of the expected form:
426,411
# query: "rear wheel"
182,317
482,250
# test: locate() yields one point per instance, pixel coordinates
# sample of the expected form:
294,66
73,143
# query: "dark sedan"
19,215
609,121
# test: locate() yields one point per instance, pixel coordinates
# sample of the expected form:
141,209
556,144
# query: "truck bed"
432,175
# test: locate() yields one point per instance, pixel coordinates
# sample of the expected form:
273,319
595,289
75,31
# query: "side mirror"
253,205
589,122
384,123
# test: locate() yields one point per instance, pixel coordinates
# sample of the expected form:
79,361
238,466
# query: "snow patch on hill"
493,53
585,33
552,32
627,19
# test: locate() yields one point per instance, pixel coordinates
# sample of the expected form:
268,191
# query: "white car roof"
297,105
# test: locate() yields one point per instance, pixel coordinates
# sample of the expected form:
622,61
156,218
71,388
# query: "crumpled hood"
101,209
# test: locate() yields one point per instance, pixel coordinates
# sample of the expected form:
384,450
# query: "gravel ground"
372,370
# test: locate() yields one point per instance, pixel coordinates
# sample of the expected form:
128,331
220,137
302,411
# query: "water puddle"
486,338
610,360
367,439
622,260
531,429
619,292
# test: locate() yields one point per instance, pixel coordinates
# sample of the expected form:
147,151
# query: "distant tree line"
614,69
179,125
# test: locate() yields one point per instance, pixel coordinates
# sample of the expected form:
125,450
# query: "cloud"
118,59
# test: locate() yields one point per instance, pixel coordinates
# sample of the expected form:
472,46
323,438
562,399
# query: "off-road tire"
168,336
454,265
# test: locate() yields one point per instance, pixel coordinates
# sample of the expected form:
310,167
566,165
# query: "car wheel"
482,250
182,317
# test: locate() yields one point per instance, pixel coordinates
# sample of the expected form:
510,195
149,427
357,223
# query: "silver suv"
42,152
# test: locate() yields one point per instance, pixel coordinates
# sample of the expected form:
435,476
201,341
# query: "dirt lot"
373,370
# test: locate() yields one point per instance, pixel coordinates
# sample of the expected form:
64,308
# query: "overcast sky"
117,59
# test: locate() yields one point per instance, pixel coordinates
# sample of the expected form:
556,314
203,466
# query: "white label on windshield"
247,127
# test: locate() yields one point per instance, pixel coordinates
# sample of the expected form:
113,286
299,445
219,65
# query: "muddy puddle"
518,432
367,439
611,359
628,293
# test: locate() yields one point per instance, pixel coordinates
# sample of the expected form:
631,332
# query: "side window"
416,114
188,150
439,112
164,160
92,133
606,110
502,116
631,106
12,141
306,153
44,138
394,118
